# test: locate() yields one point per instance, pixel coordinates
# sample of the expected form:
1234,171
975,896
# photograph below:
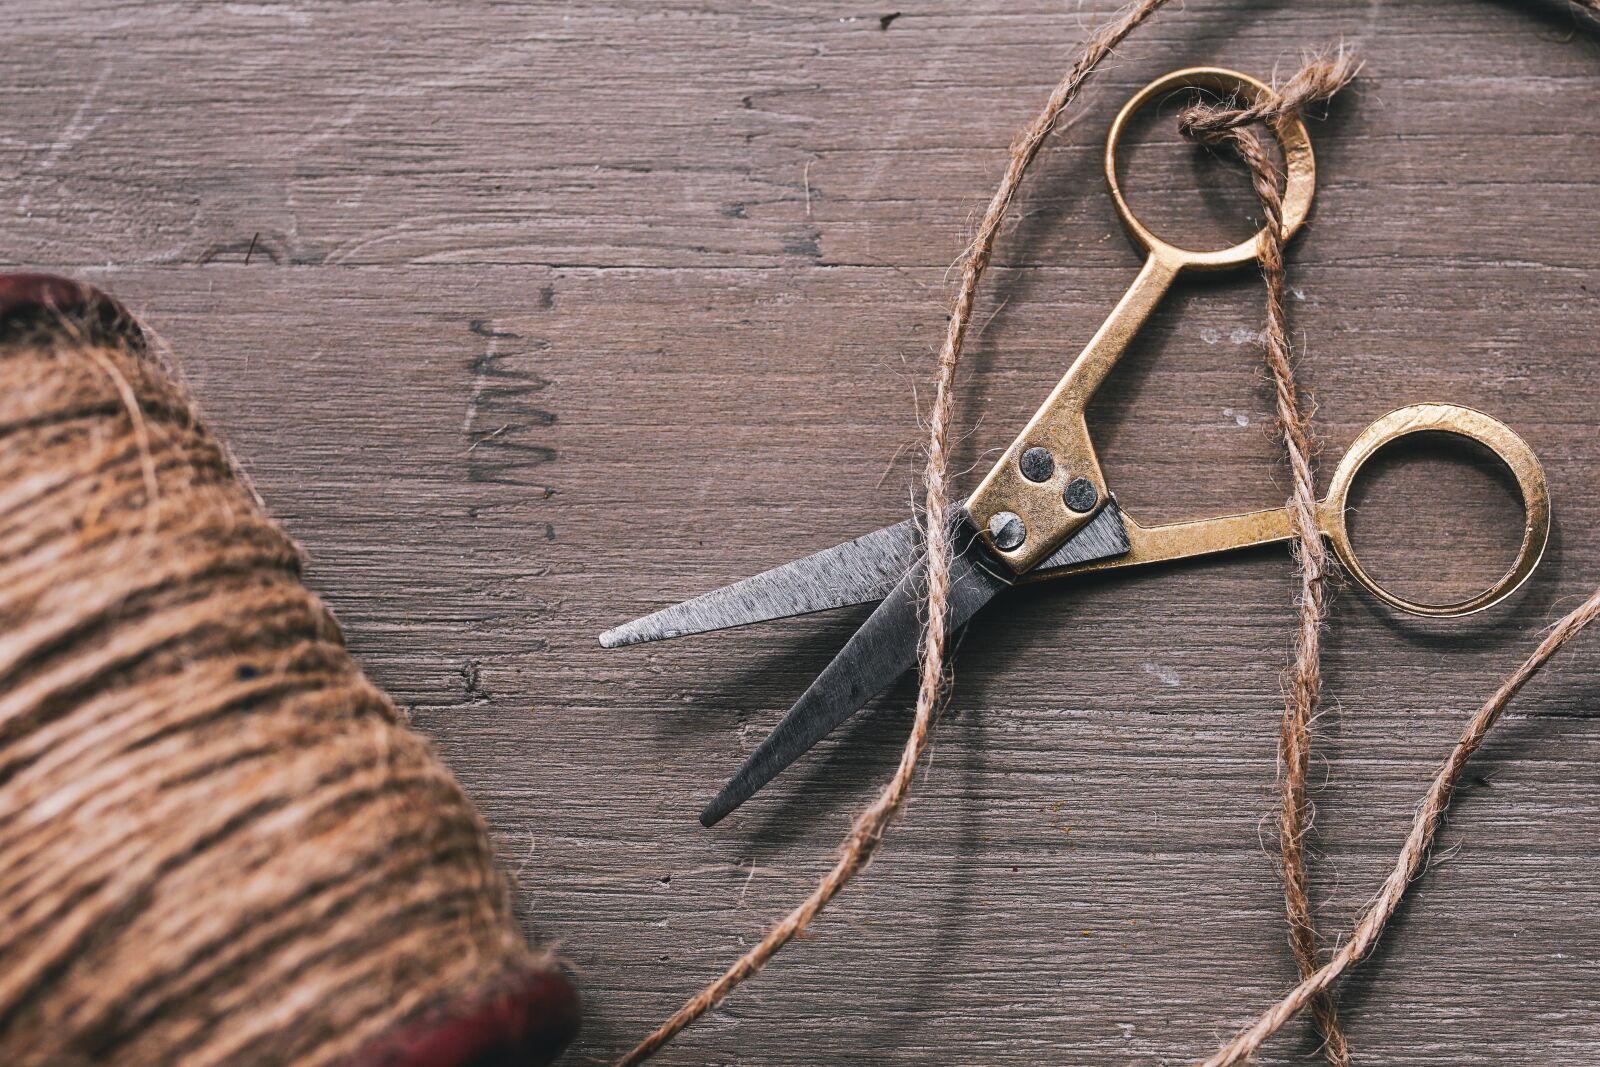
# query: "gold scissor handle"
1049,484
1300,169
1204,537
1463,422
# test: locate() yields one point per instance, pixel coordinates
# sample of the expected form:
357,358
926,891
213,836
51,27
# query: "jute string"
218,842
1228,126
868,828
1413,853
1224,126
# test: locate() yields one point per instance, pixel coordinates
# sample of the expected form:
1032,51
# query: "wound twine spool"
219,844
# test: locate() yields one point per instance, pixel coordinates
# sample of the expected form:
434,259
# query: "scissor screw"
1037,464
1007,530
1080,495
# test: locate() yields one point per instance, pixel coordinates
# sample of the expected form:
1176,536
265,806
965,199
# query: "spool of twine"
219,843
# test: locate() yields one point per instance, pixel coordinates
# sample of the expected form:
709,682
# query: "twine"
1226,127
866,832
1318,80
218,842
1413,853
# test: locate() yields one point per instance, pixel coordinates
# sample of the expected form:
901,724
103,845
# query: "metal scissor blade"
855,572
1102,537
884,648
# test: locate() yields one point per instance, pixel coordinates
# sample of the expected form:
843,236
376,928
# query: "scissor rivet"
1080,495
1007,530
1037,464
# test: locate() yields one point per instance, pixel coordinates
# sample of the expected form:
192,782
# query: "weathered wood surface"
529,318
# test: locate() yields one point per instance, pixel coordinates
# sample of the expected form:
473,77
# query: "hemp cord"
1413,853
1318,80
1224,126
1304,676
219,844
868,828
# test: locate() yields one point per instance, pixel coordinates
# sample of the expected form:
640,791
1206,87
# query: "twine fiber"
218,842
1225,126
1220,126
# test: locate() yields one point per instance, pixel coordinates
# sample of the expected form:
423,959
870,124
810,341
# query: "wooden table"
527,319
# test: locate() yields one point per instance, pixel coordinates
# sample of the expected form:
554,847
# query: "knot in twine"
218,842
1220,126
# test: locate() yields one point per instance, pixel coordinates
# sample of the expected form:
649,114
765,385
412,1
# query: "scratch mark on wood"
501,388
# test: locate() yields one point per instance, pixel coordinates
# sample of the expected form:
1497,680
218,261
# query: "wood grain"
527,318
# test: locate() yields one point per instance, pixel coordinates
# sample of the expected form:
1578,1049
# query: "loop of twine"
1222,126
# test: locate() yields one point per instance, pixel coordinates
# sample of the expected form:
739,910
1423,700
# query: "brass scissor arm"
1049,482
1204,537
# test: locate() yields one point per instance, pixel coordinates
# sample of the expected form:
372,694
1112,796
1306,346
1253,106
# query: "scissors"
1044,511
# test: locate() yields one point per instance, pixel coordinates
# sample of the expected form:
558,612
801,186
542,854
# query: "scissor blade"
855,572
884,648
1103,536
